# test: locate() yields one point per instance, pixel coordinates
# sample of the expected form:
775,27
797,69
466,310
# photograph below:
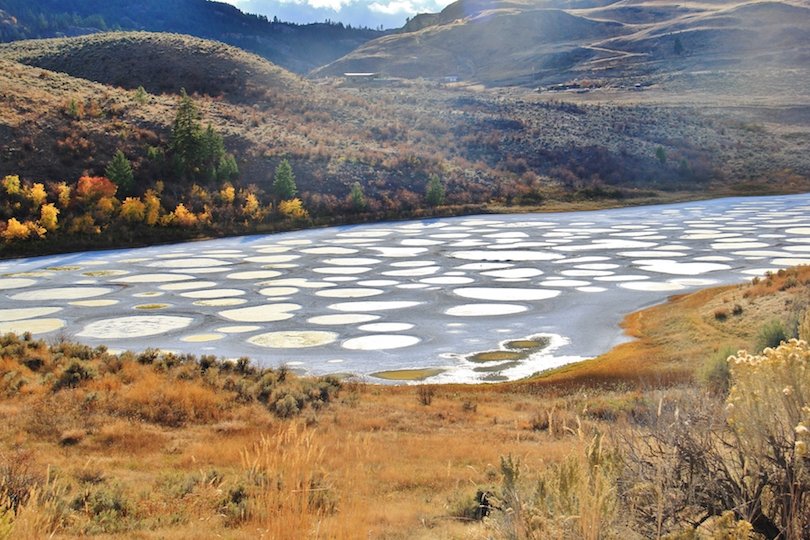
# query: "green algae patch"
528,344
497,356
148,307
63,268
408,374
496,368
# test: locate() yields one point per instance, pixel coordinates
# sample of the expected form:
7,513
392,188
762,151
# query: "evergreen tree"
119,171
228,169
435,191
358,198
284,181
211,151
661,155
185,139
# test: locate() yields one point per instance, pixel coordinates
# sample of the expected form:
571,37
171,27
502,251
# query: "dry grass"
374,463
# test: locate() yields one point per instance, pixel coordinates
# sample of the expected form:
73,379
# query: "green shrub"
715,373
75,374
771,335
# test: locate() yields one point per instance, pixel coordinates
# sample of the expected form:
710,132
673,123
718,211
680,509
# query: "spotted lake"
407,295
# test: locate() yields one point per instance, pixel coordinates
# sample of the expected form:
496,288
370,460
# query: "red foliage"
95,187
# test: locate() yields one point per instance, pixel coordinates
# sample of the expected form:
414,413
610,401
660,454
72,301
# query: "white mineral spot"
586,273
278,291
693,282
153,278
413,286
340,279
202,338
134,327
262,313
591,289
148,294
413,272
564,283
213,293
297,282
221,302
597,266
17,314
506,294
94,303
620,278
373,306
187,285
35,326
295,242
215,270
237,329
787,261
651,286
399,251
607,243
380,342
798,230
105,273
514,273
273,249
484,266
351,261
261,259
348,318
412,264
485,310
739,245
192,262
505,255
420,242
579,260
350,270
254,274
292,339
386,327
448,280
664,266
329,251
62,293
651,253
378,282
349,293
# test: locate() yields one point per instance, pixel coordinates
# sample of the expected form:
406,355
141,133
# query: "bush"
75,374
771,335
715,374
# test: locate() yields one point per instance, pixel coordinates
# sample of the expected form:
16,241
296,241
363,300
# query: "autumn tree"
119,171
48,217
151,207
11,185
132,210
435,191
293,209
284,187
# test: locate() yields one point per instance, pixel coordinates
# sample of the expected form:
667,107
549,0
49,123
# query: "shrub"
425,395
771,335
715,373
75,374
721,314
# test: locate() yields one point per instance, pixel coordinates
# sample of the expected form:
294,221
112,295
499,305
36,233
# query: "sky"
371,13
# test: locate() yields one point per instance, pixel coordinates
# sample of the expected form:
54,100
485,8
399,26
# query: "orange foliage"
95,187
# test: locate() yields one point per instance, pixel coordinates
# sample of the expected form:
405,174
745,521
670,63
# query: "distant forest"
296,47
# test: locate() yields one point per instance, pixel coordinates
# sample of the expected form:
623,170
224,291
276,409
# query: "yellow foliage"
84,224
132,210
227,193
105,207
11,184
183,216
251,208
48,217
151,207
36,194
293,209
63,193
21,231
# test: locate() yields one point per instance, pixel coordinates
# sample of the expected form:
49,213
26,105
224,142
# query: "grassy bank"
164,446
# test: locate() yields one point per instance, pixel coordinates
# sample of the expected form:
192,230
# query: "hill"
74,103
623,42
298,48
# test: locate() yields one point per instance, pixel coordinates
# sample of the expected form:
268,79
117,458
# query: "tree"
284,181
37,195
293,209
120,172
211,152
151,207
661,155
93,188
63,194
228,169
132,210
48,217
185,137
435,191
358,198
11,184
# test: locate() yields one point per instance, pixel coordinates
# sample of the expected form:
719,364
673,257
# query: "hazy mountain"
296,47
553,41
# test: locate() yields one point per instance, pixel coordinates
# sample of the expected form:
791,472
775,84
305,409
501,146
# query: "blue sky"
389,13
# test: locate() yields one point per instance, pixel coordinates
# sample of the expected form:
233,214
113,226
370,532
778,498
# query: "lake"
408,295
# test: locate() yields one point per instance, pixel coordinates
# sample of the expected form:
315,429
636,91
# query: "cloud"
371,13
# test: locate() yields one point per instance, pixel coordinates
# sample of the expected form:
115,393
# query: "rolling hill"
298,48
545,42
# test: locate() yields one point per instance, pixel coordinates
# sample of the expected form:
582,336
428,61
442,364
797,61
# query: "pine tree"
228,169
284,181
185,139
120,172
211,151
435,191
358,198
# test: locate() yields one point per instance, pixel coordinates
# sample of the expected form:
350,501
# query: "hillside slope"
299,48
542,42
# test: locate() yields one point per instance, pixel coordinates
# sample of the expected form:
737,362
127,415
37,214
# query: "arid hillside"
620,43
